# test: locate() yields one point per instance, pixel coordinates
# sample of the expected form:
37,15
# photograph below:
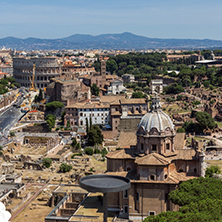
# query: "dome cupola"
155,121
155,131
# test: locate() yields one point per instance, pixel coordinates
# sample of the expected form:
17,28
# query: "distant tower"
199,55
103,72
212,55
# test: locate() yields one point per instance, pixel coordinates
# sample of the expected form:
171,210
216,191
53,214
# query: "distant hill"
124,40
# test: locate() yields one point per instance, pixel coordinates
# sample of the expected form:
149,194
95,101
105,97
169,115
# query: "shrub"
104,152
64,167
96,151
47,162
12,133
181,130
211,170
76,154
89,151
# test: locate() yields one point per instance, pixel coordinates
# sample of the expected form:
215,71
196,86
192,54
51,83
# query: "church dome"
155,121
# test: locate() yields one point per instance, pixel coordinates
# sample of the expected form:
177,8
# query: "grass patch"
215,163
219,124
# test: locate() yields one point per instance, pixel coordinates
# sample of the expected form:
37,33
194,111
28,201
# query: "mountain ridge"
125,40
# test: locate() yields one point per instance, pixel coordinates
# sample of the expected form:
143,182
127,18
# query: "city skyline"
155,19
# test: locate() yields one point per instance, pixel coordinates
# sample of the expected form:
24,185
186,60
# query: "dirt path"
17,212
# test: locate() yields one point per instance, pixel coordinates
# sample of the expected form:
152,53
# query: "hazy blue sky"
152,18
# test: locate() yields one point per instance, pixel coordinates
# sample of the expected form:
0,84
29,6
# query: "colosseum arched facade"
46,68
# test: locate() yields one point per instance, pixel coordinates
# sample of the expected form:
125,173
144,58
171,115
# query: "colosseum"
46,68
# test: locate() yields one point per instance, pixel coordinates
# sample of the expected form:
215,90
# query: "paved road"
9,116
8,119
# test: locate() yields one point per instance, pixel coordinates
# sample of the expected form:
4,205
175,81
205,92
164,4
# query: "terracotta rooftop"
127,139
112,99
152,159
186,154
132,100
177,177
122,154
179,142
88,105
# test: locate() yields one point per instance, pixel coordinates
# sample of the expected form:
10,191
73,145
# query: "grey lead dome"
156,118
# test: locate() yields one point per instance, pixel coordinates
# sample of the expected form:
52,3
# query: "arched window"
154,147
152,177
128,168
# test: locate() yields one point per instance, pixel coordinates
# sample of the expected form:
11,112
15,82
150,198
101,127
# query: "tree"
18,85
211,170
96,151
90,123
111,66
89,151
205,120
87,126
54,105
104,152
138,95
12,133
47,162
95,90
181,130
200,198
207,210
74,142
173,89
63,116
50,119
64,167
40,95
195,190
95,136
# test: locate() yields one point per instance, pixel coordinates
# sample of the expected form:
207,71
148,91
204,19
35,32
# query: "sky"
51,19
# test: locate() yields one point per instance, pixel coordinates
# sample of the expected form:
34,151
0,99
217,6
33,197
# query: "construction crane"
32,80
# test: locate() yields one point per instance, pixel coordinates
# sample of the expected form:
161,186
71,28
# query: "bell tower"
103,72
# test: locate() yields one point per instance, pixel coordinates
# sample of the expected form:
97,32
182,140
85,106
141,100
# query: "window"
154,147
152,177
125,194
128,168
167,146
126,209
80,114
166,197
142,146
152,213
137,196
165,176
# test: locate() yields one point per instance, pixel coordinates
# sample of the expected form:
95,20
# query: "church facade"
158,163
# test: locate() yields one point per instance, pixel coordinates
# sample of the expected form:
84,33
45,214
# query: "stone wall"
128,125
